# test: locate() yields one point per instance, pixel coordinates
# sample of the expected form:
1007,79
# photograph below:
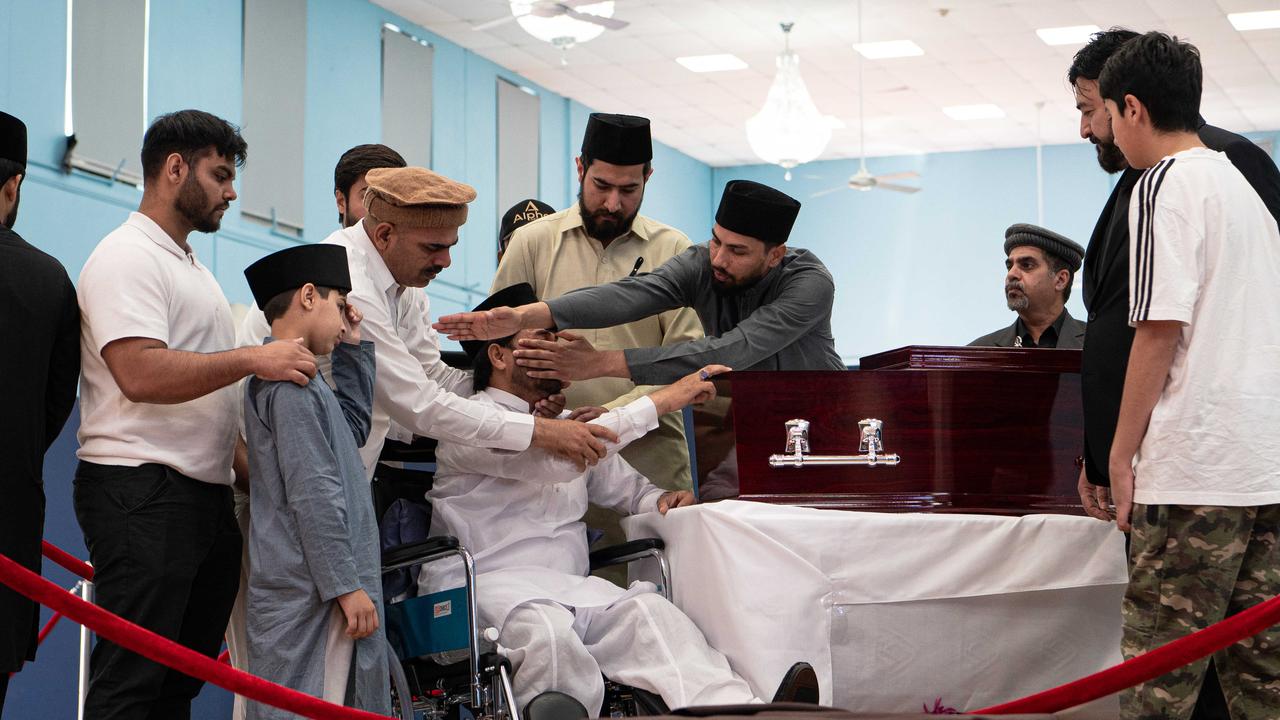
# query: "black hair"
277,306
482,369
1089,59
190,133
1163,73
359,160
587,160
9,168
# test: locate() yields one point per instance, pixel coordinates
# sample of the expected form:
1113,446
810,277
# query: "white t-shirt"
139,283
1205,252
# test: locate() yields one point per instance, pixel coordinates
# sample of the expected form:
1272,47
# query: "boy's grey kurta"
314,535
783,322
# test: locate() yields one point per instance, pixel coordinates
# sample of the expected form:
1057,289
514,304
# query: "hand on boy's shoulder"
285,360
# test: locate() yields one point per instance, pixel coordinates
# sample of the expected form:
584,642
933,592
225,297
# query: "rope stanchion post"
169,653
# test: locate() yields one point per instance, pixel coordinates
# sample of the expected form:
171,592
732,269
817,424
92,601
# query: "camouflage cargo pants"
1189,567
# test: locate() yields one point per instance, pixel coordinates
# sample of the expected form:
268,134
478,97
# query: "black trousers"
166,555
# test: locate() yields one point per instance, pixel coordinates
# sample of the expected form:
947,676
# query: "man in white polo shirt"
158,422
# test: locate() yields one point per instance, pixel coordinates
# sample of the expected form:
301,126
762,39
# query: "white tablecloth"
896,611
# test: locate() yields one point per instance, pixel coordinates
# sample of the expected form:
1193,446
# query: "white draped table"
896,611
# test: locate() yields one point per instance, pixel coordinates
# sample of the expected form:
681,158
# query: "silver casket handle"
870,445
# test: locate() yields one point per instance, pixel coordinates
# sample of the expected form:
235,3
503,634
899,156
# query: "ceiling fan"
863,179
556,8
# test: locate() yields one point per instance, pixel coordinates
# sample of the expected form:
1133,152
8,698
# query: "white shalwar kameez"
520,514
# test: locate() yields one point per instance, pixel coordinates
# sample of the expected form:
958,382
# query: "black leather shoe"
799,685
552,705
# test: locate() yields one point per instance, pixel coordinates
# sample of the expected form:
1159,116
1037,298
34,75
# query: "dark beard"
728,290
1110,158
604,226
195,207
12,217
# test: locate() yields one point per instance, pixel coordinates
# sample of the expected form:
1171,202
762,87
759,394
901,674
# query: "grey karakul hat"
1049,241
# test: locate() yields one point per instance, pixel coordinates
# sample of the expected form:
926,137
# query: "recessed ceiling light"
1261,20
888,49
973,112
712,63
1069,35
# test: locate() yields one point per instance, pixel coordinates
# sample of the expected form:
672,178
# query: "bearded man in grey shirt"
763,306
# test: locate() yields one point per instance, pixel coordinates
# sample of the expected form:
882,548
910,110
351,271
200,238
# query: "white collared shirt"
525,509
415,392
139,283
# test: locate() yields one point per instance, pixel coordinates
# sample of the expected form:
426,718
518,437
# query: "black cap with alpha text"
13,139
291,268
757,211
510,296
617,139
521,214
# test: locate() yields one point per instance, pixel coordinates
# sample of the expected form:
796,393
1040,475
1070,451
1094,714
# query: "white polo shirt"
139,283
1205,252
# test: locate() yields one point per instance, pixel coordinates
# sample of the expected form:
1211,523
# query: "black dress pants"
165,550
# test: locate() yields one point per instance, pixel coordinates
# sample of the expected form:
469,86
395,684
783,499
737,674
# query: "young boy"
314,599
1201,405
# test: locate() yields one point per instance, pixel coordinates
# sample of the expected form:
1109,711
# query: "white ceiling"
976,51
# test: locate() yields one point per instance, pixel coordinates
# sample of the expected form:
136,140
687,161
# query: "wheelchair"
426,635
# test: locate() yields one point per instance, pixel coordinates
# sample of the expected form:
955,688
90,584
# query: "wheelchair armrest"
418,552
624,553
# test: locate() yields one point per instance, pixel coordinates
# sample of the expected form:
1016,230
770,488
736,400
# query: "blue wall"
67,215
928,268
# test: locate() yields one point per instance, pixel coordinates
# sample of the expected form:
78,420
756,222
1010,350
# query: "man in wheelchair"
520,515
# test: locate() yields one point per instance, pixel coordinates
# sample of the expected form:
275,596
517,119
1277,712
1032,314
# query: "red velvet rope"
48,627
1152,664
169,653
66,560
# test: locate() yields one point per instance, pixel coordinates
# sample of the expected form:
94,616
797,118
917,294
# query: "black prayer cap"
617,139
1023,234
525,211
291,268
757,211
511,296
13,139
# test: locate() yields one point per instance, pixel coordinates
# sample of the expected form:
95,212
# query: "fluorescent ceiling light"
1070,35
973,112
888,49
712,63
1261,20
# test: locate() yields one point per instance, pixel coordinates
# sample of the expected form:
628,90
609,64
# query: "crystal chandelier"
560,29
788,131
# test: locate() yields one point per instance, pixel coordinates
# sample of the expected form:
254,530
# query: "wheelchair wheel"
401,696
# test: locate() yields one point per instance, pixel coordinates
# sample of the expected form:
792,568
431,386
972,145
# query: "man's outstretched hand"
580,443
692,389
568,358
483,325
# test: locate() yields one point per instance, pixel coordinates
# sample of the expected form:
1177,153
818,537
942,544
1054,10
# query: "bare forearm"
165,377
1150,358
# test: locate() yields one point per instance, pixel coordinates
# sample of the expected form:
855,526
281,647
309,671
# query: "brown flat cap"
416,197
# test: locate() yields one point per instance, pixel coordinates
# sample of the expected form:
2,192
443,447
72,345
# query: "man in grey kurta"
314,536
763,306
